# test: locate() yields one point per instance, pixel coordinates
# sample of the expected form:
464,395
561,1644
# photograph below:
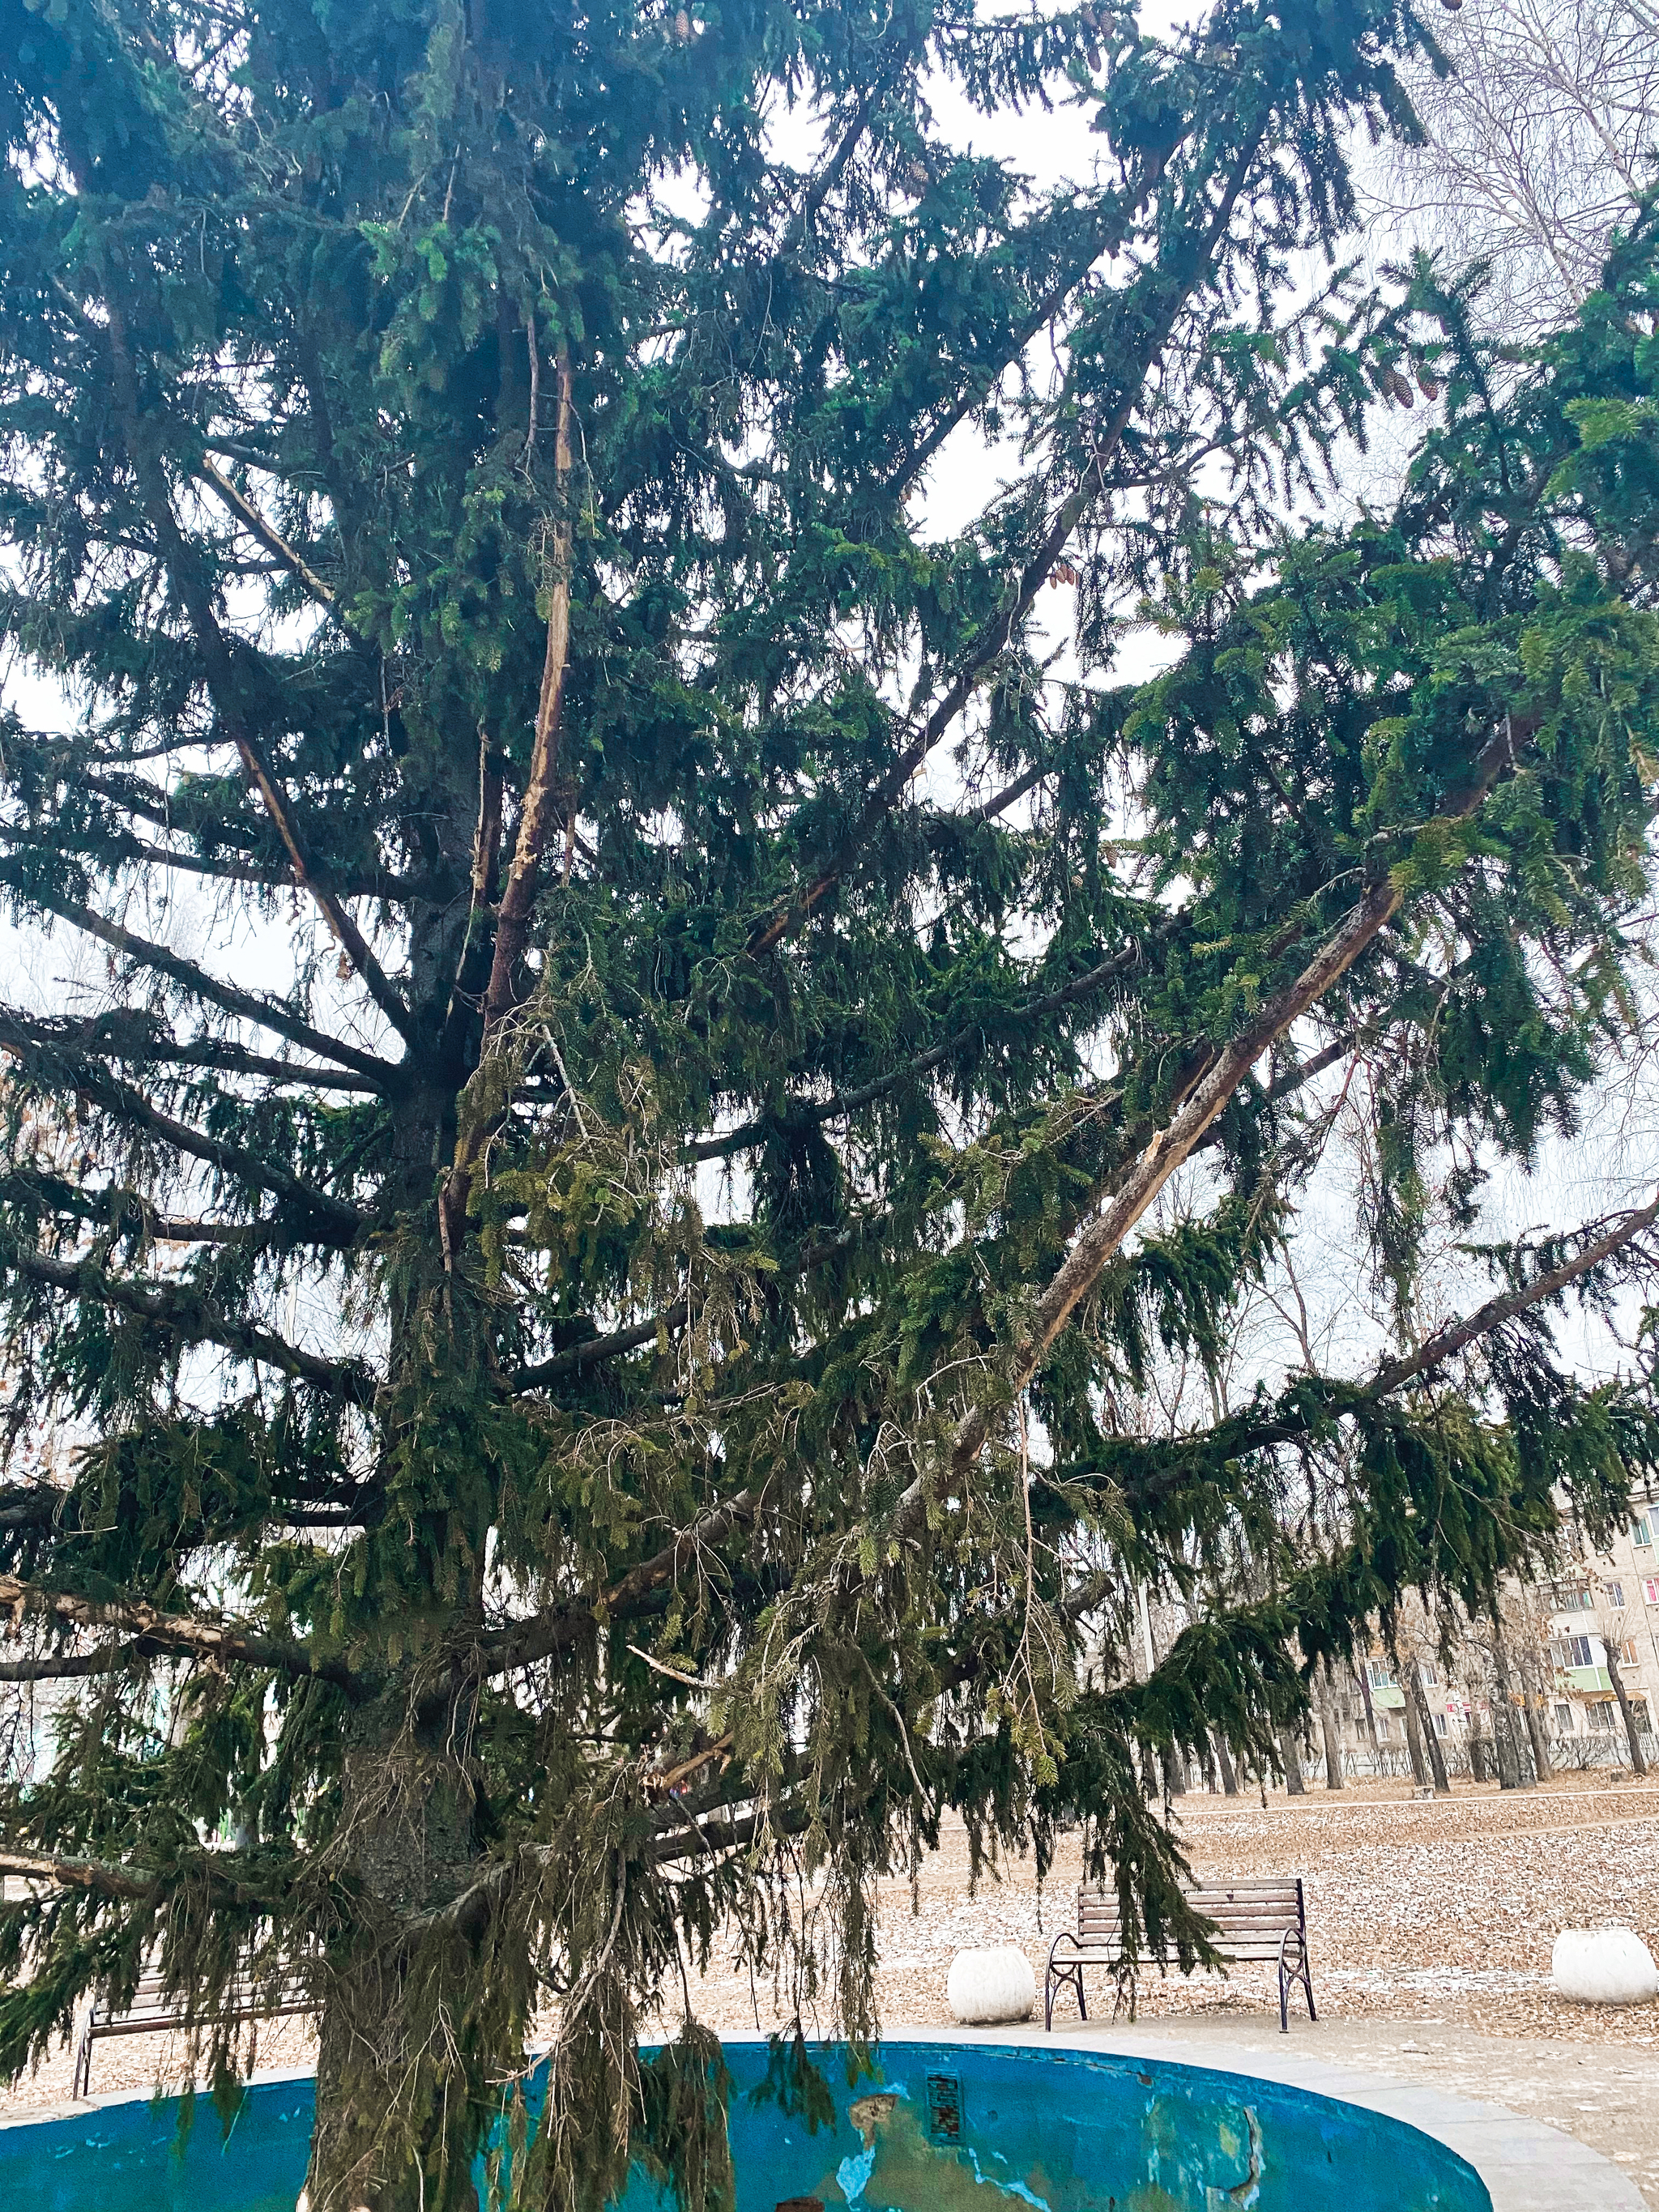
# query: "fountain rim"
1525,2166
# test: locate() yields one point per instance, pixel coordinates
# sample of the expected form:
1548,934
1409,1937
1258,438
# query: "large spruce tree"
581,1245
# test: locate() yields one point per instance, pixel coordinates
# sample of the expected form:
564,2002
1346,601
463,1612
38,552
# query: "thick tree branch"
1100,1239
271,540
183,1634
193,1318
74,1666
102,1876
134,1037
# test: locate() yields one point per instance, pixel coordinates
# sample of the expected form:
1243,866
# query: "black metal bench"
1255,1920
153,2012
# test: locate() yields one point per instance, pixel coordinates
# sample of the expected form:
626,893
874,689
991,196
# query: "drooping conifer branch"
1096,1244
189,1317
266,1013
1167,290
183,1634
140,1041
183,567
331,1219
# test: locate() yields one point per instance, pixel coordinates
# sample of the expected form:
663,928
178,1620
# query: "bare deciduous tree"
1539,140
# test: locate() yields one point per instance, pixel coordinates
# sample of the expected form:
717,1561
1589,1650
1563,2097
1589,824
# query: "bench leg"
1059,1977
1284,2000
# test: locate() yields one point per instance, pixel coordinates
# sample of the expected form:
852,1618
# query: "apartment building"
1609,1603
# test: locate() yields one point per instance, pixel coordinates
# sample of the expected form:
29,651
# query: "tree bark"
1532,1706
1333,1735
1364,1681
1413,1732
1294,1784
1417,1700
1511,1768
1638,1764
1229,1779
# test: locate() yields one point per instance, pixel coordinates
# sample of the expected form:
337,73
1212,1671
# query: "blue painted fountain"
937,2127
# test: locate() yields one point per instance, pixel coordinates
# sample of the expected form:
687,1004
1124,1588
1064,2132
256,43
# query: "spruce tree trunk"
407,1817
1638,1764
1333,1734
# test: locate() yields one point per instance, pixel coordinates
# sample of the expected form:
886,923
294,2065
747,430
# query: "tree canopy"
590,1235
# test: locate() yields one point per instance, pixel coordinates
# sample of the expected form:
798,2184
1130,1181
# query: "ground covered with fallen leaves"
1443,1908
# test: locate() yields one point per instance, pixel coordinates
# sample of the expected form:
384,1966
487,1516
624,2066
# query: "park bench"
1255,1920
153,2012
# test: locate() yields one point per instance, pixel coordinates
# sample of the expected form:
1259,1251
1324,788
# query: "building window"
1563,1720
1616,1596
1641,1531
1440,1723
1430,1680
1601,1716
1572,1600
1381,1673
1628,1656
1650,1589
1382,1727
1573,1651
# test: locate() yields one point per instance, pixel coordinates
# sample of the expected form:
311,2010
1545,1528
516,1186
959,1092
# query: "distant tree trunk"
1416,1701
1228,1779
1511,1773
1639,1764
1414,1734
1370,1710
1533,1705
1294,1784
1331,1733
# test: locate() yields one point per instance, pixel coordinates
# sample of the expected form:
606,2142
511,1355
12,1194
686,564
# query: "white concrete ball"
991,1985
1603,1966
